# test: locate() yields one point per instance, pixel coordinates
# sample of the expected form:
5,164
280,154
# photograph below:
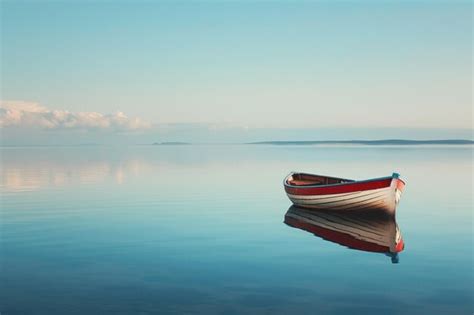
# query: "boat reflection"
365,231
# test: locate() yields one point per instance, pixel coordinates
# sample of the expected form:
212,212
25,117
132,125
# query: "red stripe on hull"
340,189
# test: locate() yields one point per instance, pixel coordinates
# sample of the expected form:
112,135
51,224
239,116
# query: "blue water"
199,229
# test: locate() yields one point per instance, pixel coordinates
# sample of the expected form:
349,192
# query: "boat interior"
301,179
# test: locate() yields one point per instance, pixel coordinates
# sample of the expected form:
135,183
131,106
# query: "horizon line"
270,142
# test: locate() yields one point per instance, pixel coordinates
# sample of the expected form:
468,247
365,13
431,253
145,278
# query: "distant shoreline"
370,142
402,142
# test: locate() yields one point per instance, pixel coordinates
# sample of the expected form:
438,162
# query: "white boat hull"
383,198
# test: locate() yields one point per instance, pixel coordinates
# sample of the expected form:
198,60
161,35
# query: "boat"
325,192
360,231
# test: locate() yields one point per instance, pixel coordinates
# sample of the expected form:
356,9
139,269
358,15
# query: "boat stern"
287,179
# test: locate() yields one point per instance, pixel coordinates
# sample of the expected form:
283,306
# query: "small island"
171,143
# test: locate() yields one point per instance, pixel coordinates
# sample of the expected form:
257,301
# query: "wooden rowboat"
324,192
361,231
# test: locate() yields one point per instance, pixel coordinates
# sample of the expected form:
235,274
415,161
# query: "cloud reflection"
17,176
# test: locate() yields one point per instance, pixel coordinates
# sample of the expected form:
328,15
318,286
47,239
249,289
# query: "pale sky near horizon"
357,64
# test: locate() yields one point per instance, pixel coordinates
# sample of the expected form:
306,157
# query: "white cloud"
32,115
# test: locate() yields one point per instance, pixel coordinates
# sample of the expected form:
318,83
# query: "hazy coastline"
371,142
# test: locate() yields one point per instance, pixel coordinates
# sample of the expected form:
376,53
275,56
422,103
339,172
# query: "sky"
232,71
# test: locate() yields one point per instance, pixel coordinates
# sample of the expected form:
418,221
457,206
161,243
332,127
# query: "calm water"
199,229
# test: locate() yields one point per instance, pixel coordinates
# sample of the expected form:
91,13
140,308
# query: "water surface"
199,229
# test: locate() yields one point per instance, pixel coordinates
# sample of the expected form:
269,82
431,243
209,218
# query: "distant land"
336,142
171,143
370,142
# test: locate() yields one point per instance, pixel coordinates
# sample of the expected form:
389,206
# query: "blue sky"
248,65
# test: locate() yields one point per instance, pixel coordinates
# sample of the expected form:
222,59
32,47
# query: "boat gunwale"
286,184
